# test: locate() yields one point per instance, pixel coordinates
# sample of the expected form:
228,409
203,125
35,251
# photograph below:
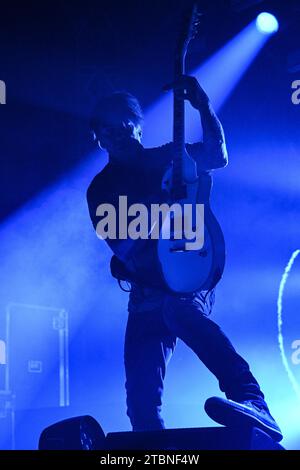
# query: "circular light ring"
283,281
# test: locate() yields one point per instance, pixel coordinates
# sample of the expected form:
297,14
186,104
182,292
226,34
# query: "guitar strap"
119,271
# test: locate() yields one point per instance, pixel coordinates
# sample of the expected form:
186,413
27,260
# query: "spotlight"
266,23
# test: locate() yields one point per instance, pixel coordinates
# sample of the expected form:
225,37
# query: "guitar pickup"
178,250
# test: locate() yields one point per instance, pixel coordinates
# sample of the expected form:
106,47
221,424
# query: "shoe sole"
231,415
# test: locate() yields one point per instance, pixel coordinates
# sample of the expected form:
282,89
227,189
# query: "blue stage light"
266,23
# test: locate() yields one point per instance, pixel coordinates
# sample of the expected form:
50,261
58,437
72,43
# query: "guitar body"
187,270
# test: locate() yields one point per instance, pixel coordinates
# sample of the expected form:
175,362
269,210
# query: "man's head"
117,123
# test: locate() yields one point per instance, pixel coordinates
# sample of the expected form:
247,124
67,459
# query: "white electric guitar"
191,248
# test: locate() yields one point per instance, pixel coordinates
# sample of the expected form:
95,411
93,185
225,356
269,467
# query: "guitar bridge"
177,247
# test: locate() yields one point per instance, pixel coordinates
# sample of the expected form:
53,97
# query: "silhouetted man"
158,317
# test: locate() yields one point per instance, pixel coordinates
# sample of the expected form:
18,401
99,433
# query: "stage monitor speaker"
79,433
213,438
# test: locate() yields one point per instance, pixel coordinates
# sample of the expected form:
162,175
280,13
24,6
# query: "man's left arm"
211,153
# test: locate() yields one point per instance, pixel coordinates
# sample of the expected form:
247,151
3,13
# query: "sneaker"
232,413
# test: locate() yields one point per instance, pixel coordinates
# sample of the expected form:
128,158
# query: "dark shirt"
140,180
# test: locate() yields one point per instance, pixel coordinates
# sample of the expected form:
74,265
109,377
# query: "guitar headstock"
189,28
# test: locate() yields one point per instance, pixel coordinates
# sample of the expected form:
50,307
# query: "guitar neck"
191,21
178,125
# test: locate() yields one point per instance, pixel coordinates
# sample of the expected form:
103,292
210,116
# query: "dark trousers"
156,319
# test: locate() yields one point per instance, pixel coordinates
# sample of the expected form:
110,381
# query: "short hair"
121,102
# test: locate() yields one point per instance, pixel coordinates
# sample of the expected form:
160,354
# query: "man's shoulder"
158,157
99,182
161,156
164,148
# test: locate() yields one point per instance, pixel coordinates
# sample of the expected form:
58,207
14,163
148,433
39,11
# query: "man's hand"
188,88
